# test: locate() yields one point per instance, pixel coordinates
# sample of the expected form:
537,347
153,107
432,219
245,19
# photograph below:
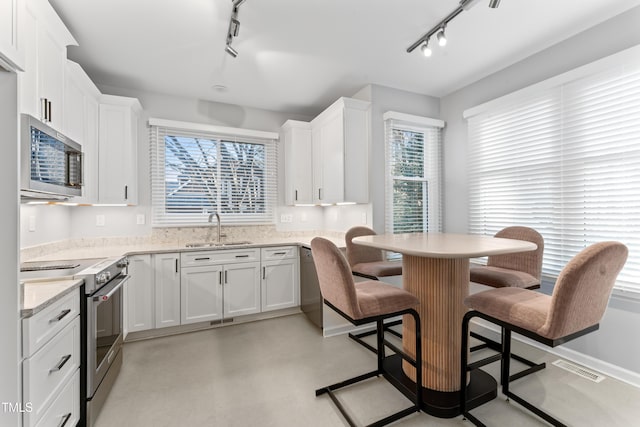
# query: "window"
413,173
565,162
199,171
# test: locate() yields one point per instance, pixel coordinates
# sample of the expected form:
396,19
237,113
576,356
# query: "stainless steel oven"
104,292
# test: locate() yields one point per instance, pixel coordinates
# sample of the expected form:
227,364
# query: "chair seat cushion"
377,298
520,307
499,277
379,268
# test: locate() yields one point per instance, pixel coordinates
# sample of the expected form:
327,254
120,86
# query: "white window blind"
413,173
565,162
197,172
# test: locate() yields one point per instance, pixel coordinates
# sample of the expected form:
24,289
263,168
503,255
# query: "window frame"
215,136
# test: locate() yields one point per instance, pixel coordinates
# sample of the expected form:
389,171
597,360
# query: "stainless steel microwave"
51,163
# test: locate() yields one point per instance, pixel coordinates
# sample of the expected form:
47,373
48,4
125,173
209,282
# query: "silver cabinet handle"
60,316
59,366
64,420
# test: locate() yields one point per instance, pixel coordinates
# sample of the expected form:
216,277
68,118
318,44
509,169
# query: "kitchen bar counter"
39,294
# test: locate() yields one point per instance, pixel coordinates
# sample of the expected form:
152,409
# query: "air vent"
579,370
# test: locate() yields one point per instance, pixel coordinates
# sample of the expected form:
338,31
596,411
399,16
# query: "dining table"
435,268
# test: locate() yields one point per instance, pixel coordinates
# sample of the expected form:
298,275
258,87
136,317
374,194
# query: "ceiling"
298,56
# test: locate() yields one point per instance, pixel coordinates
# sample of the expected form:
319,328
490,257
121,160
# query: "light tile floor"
265,373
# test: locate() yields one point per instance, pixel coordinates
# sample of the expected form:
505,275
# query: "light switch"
99,220
286,218
364,218
32,223
140,219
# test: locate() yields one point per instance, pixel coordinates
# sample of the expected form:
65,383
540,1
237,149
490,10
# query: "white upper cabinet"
81,104
11,49
340,153
118,148
42,84
296,137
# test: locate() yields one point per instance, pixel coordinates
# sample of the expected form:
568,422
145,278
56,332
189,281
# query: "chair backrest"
583,288
530,262
357,254
334,276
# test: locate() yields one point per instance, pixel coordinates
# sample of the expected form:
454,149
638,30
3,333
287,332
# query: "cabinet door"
51,64
10,49
167,286
201,294
280,287
328,159
241,289
118,151
140,294
297,160
28,80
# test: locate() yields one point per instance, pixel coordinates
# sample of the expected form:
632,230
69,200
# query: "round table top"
445,245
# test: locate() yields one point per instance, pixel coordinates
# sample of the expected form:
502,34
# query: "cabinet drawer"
65,409
226,256
47,371
279,252
39,328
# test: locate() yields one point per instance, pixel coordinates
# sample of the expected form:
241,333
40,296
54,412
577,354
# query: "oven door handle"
110,289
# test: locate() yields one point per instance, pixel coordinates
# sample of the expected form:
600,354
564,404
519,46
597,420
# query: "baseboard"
606,368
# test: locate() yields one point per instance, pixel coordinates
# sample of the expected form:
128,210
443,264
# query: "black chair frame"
387,326
505,361
382,342
496,346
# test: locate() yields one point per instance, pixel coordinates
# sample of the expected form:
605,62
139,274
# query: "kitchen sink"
217,244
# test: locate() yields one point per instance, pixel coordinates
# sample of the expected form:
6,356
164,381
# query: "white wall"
385,99
9,295
43,224
611,344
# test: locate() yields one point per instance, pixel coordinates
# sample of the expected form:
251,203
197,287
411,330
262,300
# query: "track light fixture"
442,40
438,29
234,28
426,50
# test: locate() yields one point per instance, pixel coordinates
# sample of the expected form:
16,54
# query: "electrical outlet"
99,220
286,218
304,217
363,219
32,223
140,219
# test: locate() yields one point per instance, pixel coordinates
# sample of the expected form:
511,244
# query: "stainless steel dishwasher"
310,297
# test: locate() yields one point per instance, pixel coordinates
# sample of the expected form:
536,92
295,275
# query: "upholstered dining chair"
361,303
518,270
369,263
575,308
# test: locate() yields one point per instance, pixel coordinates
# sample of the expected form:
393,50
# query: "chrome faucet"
217,215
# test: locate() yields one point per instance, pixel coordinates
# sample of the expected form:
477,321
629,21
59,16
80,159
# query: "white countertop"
38,294
445,245
98,251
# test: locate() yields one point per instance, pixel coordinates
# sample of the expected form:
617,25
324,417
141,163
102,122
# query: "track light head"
494,3
426,50
231,51
442,39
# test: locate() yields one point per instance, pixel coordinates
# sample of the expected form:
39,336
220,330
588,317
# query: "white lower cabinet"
241,289
140,294
51,367
172,289
166,269
201,294
280,278
219,284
